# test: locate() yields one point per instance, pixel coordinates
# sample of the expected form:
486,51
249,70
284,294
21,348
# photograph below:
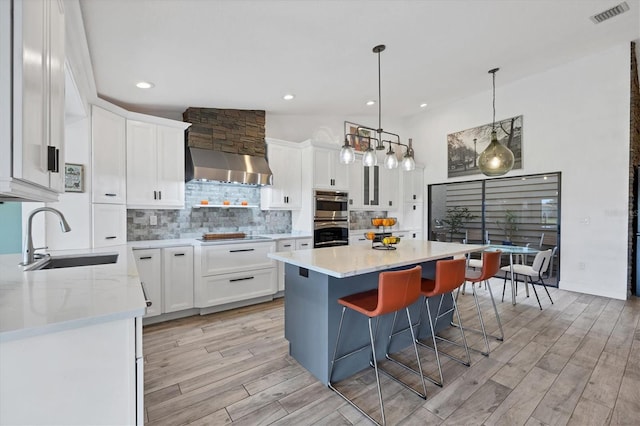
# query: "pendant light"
370,158
496,159
347,153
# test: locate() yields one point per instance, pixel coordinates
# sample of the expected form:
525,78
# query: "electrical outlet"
153,220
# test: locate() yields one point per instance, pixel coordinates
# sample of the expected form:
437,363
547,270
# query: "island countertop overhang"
347,261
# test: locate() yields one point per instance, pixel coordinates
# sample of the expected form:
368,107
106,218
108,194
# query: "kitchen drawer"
227,288
229,258
304,243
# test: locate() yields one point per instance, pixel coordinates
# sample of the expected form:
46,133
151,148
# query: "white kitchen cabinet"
285,161
288,245
411,234
149,264
109,157
166,275
155,166
88,375
109,224
357,238
283,245
413,185
356,185
234,273
304,243
328,171
412,216
32,99
390,189
177,278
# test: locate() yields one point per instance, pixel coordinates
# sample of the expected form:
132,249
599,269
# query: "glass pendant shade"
390,160
369,159
408,163
347,154
497,159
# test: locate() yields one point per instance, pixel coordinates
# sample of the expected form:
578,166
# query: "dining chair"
474,236
533,274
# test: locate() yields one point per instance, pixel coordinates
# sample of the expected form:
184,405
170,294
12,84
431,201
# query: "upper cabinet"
32,100
390,188
109,157
155,166
285,162
328,171
413,185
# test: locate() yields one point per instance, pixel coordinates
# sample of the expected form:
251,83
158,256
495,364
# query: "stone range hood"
226,145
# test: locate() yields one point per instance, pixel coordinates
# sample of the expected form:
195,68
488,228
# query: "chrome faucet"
28,256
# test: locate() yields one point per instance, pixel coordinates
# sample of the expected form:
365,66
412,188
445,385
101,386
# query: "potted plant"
455,219
509,226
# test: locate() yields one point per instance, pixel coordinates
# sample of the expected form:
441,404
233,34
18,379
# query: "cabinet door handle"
239,250
414,207
145,257
178,254
415,196
159,195
51,158
287,245
110,238
304,245
57,170
109,195
155,195
144,293
390,203
240,279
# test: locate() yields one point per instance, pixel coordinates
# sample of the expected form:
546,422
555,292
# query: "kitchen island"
315,279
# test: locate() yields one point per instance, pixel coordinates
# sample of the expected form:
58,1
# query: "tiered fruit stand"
383,240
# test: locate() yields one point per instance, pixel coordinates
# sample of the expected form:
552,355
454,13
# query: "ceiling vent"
610,13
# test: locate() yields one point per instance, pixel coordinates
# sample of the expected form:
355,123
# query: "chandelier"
496,159
369,158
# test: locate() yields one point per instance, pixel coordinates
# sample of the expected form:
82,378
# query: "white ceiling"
246,54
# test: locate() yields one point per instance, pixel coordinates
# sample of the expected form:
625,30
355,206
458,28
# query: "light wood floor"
577,362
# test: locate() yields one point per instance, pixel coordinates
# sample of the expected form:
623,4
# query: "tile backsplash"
361,219
193,222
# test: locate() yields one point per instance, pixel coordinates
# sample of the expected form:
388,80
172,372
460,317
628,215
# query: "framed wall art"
73,177
358,140
464,147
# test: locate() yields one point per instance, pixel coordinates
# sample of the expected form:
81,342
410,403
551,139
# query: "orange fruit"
370,235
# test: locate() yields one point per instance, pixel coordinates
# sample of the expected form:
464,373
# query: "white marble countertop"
45,301
346,261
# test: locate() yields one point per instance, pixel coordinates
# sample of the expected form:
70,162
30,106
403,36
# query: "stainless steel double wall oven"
330,219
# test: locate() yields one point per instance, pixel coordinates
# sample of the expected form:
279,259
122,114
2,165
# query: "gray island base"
315,279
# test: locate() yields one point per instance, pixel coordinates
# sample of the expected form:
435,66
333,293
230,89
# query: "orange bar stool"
449,277
396,290
490,266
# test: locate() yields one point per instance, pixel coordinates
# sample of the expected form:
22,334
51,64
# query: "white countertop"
346,261
38,302
45,301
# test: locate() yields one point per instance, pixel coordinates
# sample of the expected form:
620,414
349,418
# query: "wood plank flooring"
576,362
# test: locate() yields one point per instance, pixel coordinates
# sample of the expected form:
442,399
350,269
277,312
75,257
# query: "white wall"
576,121
297,128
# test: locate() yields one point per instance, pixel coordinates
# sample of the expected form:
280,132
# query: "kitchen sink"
55,262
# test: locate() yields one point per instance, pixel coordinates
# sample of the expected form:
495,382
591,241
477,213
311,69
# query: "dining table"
512,251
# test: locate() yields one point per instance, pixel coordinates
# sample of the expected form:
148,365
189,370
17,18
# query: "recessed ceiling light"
423,105
369,103
288,96
144,85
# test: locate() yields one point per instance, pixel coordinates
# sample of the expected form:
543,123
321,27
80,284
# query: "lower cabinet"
288,245
167,278
235,272
81,376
